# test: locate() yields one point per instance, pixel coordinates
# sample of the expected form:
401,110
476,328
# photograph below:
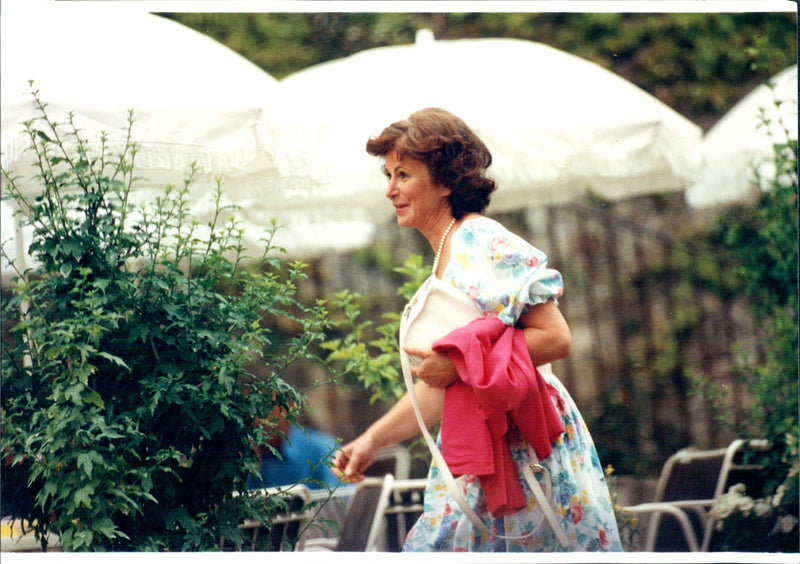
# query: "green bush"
762,241
764,524
370,355
129,404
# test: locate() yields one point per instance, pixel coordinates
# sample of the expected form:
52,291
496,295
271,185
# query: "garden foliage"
369,354
129,401
762,241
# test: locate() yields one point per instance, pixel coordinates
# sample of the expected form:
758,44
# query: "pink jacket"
499,384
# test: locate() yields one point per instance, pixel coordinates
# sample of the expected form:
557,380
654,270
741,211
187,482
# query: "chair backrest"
690,474
283,533
695,476
737,469
394,460
687,475
404,508
361,527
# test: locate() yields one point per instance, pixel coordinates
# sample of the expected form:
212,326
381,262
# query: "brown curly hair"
455,156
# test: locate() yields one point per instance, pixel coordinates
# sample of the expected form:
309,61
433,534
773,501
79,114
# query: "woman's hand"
435,369
354,458
398,425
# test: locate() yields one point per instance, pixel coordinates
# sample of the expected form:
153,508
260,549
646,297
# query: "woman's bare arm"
397,425
546,333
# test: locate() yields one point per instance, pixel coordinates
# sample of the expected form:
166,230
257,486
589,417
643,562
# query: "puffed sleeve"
502,272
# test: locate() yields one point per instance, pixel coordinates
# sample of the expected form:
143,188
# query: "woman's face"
417,200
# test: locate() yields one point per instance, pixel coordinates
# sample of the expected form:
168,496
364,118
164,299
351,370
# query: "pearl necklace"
441,244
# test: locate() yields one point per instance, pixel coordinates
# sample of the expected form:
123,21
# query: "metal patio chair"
283,534
394,460
690,483
406,503
362,526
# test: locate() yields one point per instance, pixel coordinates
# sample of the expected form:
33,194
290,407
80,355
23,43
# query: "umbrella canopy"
194,99
743,139
557,125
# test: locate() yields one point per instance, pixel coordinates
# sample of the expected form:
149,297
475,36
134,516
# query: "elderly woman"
528,474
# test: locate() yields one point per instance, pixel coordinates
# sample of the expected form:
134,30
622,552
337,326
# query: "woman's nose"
390,188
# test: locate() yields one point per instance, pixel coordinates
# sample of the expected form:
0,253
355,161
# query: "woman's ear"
445,190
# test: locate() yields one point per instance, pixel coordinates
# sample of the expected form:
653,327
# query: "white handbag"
438,308
435,310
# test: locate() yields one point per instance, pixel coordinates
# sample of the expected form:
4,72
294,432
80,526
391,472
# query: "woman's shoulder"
482,231
479,227
477,222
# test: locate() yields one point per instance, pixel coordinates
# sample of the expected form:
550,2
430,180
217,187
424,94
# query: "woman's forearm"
400,422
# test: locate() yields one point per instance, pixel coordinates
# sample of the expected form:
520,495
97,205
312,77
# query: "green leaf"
42,135
74,393
85,463
95,399
114,358
83,496
106,527
49,489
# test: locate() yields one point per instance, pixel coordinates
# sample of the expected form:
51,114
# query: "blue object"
305,454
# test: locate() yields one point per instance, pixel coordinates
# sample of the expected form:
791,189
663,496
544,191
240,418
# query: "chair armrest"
700,507
669,508
319,545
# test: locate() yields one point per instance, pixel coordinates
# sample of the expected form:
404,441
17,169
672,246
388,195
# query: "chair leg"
656,510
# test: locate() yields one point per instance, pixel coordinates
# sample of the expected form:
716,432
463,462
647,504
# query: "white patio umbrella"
557,125
194,99
15,240
742,141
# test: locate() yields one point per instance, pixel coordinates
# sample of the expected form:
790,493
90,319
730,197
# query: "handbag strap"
544,501
527,471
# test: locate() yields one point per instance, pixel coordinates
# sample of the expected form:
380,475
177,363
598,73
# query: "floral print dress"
503,274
